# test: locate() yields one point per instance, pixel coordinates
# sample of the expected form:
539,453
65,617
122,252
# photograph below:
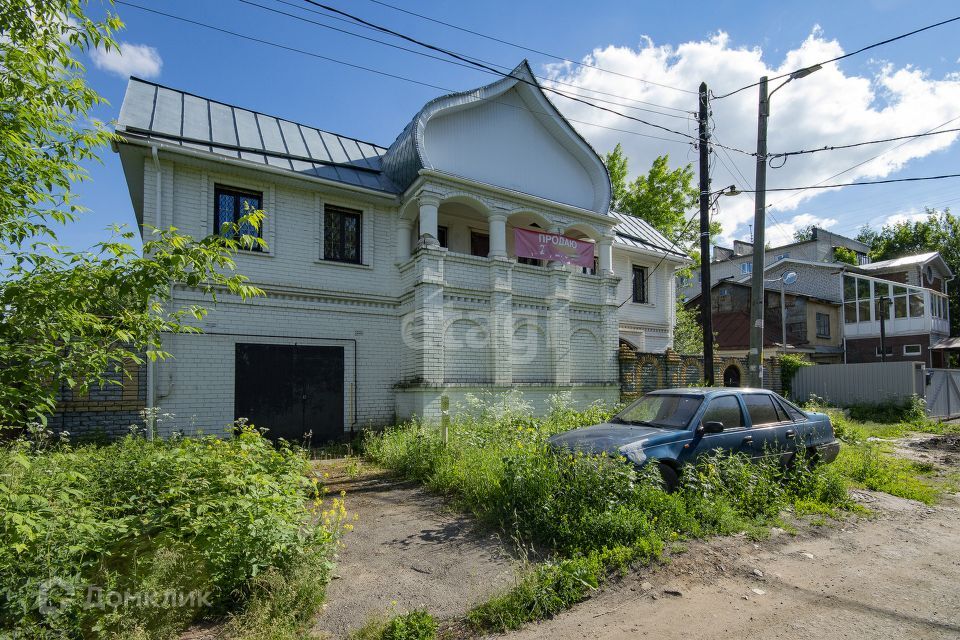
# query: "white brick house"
390,272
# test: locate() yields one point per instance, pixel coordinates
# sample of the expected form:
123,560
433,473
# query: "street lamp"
786,278
759,220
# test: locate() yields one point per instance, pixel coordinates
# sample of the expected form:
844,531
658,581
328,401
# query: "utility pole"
706,292
755,355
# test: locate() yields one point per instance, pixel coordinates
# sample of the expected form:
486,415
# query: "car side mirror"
713,427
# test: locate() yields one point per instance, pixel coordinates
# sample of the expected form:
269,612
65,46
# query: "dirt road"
896,575
406,552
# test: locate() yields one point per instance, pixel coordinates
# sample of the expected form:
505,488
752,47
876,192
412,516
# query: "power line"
377,71
858,184
282,46
860,164
857,144
454,62
846,55
494,70
525,48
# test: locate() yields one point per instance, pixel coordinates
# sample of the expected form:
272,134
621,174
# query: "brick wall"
106,411
643,372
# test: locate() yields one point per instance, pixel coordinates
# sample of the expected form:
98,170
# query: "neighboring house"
736,262
391,276
813,323
914,305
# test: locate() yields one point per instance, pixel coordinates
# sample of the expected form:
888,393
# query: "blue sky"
375,108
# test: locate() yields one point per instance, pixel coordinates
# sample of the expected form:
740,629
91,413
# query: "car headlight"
635,455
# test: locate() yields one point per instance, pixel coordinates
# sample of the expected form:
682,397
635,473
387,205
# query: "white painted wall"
501,142
648,326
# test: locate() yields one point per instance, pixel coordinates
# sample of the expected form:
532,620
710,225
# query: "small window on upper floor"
640,284
823,325
912,349
342,234
443,237
746,268
232,204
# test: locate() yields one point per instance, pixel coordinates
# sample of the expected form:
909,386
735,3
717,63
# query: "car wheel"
669,476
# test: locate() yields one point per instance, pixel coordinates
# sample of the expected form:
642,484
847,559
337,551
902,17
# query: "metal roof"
154,112
902,261
636,232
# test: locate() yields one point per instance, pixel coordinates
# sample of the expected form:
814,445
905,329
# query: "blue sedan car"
675,426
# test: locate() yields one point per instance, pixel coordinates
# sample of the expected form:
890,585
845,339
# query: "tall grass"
592,513
179,529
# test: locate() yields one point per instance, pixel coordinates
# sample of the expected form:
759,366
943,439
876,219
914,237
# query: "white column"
498,235
429,203
605,259
403,239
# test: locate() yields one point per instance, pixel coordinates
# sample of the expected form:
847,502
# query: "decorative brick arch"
691,372
731,363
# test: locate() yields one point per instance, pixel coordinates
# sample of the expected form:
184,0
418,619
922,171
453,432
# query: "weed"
413,625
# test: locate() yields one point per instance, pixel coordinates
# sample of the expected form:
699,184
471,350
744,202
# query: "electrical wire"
453,62
858,184
857,144
494,70
846,55
530,49
381,73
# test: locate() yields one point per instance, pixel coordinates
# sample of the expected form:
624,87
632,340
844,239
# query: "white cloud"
130,60
782,233
828,107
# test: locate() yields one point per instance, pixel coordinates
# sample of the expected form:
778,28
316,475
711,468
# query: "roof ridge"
261,113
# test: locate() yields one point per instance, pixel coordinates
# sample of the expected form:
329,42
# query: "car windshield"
661,410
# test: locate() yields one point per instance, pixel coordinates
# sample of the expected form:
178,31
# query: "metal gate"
291,390
943,393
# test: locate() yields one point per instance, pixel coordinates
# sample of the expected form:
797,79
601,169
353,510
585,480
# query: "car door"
768,427
727,409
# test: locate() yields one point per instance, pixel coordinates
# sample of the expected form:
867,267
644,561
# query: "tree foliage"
803,233
845,254
71,318
939,231
663,196
688,331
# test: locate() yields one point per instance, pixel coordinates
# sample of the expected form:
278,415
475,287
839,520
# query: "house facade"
847,298
392,274
813,324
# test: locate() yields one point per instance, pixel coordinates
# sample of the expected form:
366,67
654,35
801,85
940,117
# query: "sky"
906,87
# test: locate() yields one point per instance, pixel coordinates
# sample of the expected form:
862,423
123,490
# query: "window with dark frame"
342,234
823,325
640,284
479,244
443,237
230,205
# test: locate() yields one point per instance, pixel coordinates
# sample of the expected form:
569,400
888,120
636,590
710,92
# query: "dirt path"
896,575
406,552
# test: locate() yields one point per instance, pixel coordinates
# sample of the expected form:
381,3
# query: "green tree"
803,233
71,318
939,231
664,197
843,254
688,332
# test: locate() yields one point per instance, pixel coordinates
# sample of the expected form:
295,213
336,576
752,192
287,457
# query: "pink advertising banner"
552,246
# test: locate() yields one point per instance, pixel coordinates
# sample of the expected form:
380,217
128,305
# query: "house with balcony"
908,296
476,253
736,262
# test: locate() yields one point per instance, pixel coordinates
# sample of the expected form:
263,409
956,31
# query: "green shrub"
867,465
415,625
790,363
202,516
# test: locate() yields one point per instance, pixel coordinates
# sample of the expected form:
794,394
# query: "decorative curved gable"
507,134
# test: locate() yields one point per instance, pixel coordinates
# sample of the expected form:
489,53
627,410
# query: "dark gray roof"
154,112
637,232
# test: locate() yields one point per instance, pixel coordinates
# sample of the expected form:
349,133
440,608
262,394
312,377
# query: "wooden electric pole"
706,301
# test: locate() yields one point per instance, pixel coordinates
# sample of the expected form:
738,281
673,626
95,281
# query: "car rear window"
724,409
761,409
795,414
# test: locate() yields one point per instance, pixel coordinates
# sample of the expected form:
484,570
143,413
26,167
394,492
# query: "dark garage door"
291,390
